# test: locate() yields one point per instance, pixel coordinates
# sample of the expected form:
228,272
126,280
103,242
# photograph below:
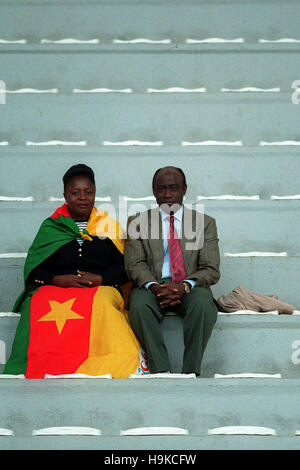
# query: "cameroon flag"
73,330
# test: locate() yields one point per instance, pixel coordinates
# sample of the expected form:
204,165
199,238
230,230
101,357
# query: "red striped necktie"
176,256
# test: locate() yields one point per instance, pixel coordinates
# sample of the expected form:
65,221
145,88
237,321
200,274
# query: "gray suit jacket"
144,249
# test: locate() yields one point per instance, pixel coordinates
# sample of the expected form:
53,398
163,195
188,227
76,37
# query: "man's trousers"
198,313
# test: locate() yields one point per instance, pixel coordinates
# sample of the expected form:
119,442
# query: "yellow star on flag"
60,313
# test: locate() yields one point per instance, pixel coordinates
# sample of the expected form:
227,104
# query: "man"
172,257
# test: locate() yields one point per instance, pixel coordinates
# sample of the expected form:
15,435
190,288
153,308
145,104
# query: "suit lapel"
184,241
156,240
192,236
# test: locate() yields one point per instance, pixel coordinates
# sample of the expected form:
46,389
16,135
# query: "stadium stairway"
128,87
247,397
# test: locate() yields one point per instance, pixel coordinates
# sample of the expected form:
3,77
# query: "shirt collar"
177,215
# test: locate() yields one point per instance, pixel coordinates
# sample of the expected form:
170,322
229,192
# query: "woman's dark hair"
78,170
178,169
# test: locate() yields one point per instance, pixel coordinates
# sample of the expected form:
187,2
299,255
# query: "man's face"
80,197
168,189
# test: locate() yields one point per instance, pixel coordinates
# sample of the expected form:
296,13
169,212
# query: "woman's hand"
82,279
89,279
67,280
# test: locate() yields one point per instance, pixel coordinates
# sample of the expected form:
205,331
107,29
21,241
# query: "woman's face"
80,197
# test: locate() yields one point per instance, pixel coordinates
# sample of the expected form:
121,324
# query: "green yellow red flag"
80,330
61,330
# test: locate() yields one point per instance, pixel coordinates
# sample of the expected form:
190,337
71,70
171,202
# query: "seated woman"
72,310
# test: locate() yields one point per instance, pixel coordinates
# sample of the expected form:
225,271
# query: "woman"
72,310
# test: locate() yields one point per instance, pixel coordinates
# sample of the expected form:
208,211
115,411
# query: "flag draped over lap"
73,330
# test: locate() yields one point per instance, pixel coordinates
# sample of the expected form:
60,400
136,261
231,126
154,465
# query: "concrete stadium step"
239,344
208,170
238,223
128,20
142,67
148,443
255,344
112,406
96,119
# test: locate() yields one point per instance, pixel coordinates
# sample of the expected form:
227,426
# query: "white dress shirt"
166,268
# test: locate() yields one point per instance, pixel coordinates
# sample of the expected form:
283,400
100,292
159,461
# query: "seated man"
172,274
